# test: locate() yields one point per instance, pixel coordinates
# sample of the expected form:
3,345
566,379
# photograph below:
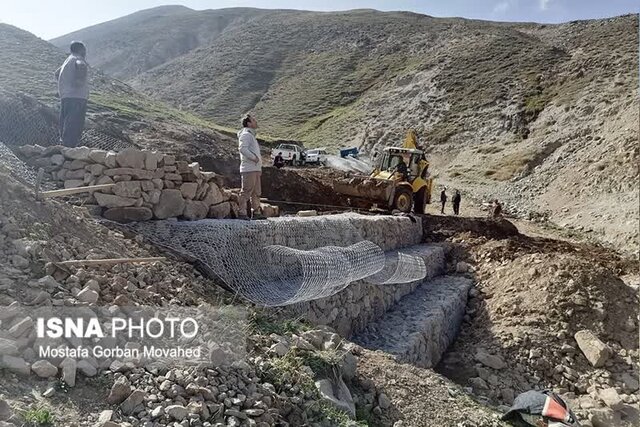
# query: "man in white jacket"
250,168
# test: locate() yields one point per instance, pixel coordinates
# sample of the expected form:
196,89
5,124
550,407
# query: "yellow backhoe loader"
400,180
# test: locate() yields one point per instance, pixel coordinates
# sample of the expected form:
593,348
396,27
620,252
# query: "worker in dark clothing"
456,202
496,211
73,89
443,199
401,168
278,161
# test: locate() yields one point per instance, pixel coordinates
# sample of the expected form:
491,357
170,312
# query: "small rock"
490,360
177,412
593,349
87,369
132,402
104,417
631,383
611,398
157,412
120,390
462,267
5,410
88,295
279,348
604,418
16,365
383,401
49,392
44,369
69,367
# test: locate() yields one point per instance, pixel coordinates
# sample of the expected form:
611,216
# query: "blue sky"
48,18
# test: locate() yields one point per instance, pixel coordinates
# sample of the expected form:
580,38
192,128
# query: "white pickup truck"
292,154
316,155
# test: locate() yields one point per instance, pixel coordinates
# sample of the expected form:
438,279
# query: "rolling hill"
544,117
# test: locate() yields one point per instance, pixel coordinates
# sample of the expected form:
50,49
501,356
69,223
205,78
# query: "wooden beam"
108,261
39,182
76,190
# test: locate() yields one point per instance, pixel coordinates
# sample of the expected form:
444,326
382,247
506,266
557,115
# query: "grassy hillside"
541,116
138,42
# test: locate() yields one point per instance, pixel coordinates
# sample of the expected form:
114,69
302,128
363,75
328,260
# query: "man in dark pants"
73,88
443,199
456,202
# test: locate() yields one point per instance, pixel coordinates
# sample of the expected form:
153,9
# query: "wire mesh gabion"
283,261
16,167
27,121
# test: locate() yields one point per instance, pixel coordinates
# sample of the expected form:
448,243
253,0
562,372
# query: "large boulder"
171,204
214,195
593,349
337,394
134,400
221,211
194,210
135,173
113,201
17,365
120,390
128,189
151,159
128,214
131,158
98,156
176,412
74,183
44,369
76,153
189,190
69,367
490,360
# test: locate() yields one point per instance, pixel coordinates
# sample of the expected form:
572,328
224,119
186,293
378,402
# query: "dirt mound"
302,185
532,296
418,397
439,227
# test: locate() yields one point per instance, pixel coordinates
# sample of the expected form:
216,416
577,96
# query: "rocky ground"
293,374
546,313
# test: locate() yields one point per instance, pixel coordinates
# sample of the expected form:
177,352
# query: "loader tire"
420,203
403,200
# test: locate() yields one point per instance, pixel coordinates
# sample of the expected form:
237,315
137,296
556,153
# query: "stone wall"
350,310
361,303
147,184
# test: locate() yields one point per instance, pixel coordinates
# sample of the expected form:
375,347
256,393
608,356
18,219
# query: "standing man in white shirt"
250,168
73,88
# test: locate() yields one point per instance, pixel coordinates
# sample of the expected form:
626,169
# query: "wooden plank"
76,190
39,182
108,261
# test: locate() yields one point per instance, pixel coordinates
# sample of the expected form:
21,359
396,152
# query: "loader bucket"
374,190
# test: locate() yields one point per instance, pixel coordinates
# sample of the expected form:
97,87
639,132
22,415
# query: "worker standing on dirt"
496,210
456,202
443,199
73,89
250,168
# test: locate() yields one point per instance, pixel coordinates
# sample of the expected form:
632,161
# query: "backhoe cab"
388,185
